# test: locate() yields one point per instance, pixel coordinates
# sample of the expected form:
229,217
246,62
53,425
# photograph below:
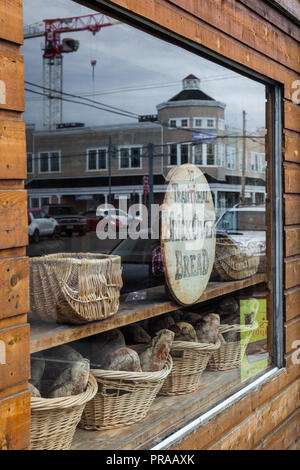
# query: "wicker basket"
234,261
54,420
229,355
123,398
74,287
189,361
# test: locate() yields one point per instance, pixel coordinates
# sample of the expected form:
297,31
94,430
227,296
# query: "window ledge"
201,420
157,424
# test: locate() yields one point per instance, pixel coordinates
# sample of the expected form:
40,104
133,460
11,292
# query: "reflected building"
88,166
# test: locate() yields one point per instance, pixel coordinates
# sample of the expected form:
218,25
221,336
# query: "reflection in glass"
192,111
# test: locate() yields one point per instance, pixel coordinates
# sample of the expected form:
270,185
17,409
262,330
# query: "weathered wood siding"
14,292
252,33
266,39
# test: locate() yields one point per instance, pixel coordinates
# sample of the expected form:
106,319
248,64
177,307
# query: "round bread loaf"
155,357
125,359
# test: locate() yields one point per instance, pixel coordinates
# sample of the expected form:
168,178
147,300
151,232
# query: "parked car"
246,225
68,218
118,217
92,220
40,224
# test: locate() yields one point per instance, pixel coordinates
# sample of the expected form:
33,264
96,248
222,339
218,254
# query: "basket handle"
240,328
66,290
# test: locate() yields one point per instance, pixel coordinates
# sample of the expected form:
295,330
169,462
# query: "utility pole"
110,151
151,155
150,163
244,160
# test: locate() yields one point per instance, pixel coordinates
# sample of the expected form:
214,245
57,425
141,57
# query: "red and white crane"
54,49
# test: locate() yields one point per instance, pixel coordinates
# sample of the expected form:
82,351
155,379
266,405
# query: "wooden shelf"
48,335
166,415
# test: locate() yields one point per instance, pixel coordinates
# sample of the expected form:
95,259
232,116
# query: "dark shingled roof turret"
191,76
191,94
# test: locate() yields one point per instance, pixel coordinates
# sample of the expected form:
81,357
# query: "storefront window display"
152,255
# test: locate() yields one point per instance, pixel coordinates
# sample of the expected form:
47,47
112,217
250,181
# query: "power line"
84,104
160,123
82,98
110,108
154,86
113,109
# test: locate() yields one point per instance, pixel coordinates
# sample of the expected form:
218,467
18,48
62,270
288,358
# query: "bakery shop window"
152,276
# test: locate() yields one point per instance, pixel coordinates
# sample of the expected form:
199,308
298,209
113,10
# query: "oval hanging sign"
188,234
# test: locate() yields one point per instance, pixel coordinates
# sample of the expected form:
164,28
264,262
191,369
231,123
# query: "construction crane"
54,48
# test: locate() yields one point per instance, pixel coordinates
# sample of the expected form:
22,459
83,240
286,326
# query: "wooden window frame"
32,162
130,147
96,149
178,152
231,154
274,207
178,121
49,152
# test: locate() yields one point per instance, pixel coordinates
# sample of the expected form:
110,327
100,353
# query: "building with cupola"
193,121
87,166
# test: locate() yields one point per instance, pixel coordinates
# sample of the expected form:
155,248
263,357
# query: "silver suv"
39,225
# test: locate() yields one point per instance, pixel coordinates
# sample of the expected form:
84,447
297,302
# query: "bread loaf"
228,306
184,332
135,334
192,318
208,328
83,346
71,381
145,324
34,391
125,359
155,357
65,353
163,322
105,344
57,360
177,315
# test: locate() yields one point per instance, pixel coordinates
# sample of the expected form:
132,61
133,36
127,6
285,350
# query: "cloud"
127,57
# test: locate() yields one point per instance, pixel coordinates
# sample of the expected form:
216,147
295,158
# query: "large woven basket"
229,355
235,260
74,287
123,398
189,362
54,420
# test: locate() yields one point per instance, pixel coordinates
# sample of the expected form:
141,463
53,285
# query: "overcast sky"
129,58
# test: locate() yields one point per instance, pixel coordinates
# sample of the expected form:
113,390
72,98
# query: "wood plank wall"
255,34
14,292
249,32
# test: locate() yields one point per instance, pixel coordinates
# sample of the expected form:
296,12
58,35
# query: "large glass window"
257,162
30,162
147,112
231,158
198,154
130,157
96,159
49,162
178,154
211,154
